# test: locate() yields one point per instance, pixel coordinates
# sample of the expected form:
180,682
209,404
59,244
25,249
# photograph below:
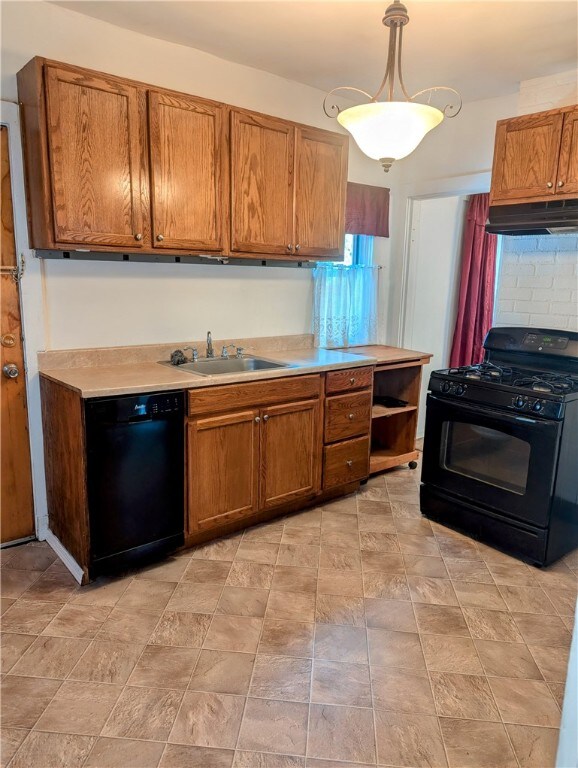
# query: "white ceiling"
482,48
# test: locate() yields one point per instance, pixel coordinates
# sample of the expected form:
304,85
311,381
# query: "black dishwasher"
135,455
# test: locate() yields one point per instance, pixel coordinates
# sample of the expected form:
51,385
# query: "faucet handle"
194,353
225,350
240,351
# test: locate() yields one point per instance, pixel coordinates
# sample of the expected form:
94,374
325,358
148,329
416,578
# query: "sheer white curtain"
345,298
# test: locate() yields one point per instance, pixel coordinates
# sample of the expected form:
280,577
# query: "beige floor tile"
341,733
41,750
552,662
164,667
402,690
342,523
53,587
274,726
12,646
542,630
340,558
341,683
369,507
10,740
24,699
52,657
107,662
346,505
557,690
83,621
298,555
395,649
29,617
149,595
270,533
143,713
391,586
179,756
208,720
415,526
246,574
102,591
441,620
14,583
379,542
243,601
258,552
5,603
336,609
194,598
526,702
223,672
390,614
181,629
308,536
458,548
291,606
526,599
451,654
290,579
492,625
385,563
568,622
341,643
338,582
463,696
287,638
110,753
170,570
475,595
409,740
534,747
376,523
208,572
507,660
405,510
281,677
129,625
564,600
425,589
336,539
477,744
310,518
244,759
81,708
234,633
421,565
515,574
221,549
35,556
412,544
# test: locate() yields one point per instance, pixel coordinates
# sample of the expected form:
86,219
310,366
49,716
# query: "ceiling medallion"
389,130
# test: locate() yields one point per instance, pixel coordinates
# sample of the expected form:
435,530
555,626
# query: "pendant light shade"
391,129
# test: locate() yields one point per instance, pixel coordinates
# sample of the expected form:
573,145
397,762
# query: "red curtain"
476,298
367,210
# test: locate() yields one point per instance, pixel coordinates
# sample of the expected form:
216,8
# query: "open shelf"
386,458
382,411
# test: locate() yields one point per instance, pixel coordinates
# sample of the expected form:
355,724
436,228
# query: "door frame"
31,314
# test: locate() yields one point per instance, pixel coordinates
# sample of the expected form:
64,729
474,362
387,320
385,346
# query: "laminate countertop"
142,377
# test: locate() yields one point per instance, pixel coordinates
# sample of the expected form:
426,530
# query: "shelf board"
386,458
382,411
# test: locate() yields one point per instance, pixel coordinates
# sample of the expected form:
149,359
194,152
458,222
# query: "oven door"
495,459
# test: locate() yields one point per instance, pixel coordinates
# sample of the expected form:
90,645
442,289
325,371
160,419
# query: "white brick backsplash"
505,306
518,269
549,321
573,324
508,281
513,318
548,294
567,282
555,269
564,307
516,293
535,307
535,281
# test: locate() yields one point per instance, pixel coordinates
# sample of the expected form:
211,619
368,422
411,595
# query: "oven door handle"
504,415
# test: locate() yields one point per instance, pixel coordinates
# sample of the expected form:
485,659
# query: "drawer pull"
351,417
349,463
265,417
352,380
257,419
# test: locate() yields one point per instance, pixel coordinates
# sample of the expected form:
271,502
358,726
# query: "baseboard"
65,556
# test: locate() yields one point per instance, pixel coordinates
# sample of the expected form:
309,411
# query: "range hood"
554,217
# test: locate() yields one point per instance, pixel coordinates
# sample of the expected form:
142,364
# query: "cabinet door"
290,452
223,464
261,184
187,150
320,186
526,157
94,143
567,182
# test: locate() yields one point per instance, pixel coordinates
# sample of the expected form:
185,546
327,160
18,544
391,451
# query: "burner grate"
554,383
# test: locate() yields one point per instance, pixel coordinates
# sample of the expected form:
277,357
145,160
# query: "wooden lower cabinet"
223,469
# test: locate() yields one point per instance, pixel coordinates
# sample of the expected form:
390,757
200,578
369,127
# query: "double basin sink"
220,365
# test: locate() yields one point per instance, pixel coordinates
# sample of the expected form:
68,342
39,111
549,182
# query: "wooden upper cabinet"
93,144
567,181
290,452
187,154
526,156
320,187
261,183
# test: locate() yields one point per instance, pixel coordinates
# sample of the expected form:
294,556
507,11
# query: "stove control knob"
460,389
446,386
537,406
519,402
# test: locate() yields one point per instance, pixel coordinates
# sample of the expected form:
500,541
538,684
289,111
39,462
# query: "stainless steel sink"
220,365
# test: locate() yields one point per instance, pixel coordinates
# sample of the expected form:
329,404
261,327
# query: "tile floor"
353,634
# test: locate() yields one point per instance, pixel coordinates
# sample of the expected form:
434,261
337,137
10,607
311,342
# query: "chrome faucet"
210,350
225,351
194,353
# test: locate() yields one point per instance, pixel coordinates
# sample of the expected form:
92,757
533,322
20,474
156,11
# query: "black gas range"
501,444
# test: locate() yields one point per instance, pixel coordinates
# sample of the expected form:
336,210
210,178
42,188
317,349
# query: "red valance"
367,210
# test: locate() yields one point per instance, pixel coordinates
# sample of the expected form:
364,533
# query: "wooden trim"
418,363
568,161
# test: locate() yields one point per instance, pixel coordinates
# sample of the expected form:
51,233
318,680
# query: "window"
345,297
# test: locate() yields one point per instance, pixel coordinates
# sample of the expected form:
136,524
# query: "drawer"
348,379
347,416
345,462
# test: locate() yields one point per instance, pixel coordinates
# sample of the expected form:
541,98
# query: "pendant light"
389,130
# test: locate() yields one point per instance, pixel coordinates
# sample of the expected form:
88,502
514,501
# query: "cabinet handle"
290,247
560,183
160,238
352,380
138,236
265,418
298,247
351,417
549,185
257,419
349,463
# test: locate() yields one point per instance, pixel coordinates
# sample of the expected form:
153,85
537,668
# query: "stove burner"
555,383
486,371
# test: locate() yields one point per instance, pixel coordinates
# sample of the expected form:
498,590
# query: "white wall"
436,236
96,304
542,93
